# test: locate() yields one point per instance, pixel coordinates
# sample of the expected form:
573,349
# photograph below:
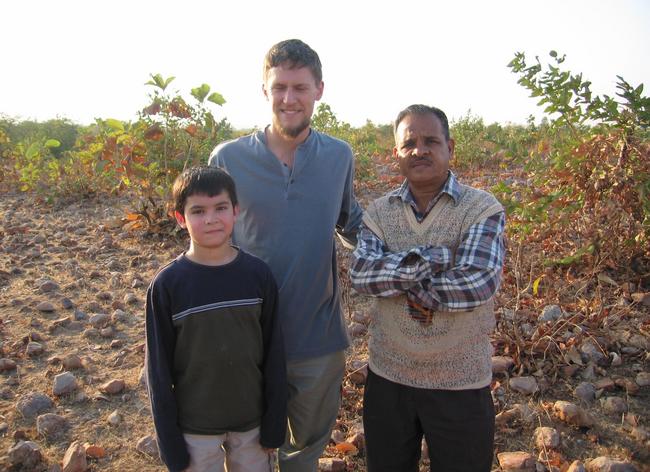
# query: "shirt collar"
451,188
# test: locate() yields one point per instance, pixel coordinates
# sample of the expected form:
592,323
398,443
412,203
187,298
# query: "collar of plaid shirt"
403,192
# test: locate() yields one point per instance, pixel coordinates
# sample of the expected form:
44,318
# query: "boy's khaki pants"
240,452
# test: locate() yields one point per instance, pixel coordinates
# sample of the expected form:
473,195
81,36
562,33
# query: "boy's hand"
268,450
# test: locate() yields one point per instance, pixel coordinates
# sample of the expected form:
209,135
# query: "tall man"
432,253
295,188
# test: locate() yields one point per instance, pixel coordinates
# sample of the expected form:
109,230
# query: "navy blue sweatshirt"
215,354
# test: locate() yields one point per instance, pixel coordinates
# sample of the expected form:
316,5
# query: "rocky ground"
571,391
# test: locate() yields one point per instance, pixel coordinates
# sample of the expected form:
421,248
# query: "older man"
432,253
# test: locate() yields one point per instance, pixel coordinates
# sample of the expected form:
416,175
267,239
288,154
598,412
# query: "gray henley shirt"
288,218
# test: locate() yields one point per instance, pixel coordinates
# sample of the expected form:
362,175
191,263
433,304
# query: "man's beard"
292,132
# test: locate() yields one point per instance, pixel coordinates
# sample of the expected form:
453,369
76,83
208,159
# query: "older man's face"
422,150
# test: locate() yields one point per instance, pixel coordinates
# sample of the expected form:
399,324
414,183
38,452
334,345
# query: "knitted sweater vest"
454,351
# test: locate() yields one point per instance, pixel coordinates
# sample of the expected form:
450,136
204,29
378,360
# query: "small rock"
588,372
148,445
27,454
130,299
48,286
96,452
99,320
7,364
606,464
525,385
45,307
74,459
546,438
550,313
585,392
33,404
67,304
593,351
34,336
51,426
572,414
630,387
34,349
643,379
516,461
614,405
80,315
331,464
502,364
71,362
90,333
119,316
113,386
604,384
64,383
76,326
114,418
105,296
4,427
107,332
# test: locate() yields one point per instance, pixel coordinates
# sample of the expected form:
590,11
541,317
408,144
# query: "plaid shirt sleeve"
426,274
475,276
376,271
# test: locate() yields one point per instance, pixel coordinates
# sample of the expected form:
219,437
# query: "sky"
89,59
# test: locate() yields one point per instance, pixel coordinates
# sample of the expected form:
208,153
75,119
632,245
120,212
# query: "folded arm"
432,276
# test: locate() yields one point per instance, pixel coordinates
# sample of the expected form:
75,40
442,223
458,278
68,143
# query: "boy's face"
209,220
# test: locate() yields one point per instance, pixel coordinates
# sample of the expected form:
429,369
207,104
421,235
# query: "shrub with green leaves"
593,181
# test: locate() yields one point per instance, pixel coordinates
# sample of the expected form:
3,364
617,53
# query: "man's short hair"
423,110
295,54
202,180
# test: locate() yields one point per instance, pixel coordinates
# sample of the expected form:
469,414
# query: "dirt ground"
62,265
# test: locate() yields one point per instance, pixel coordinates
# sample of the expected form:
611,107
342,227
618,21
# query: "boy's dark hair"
202,180
295,54
423,110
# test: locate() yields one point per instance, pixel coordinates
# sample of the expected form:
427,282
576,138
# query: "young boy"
215,354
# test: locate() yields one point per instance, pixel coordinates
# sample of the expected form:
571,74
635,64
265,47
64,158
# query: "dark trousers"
458,426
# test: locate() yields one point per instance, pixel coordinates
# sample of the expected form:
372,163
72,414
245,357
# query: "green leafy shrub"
593,181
